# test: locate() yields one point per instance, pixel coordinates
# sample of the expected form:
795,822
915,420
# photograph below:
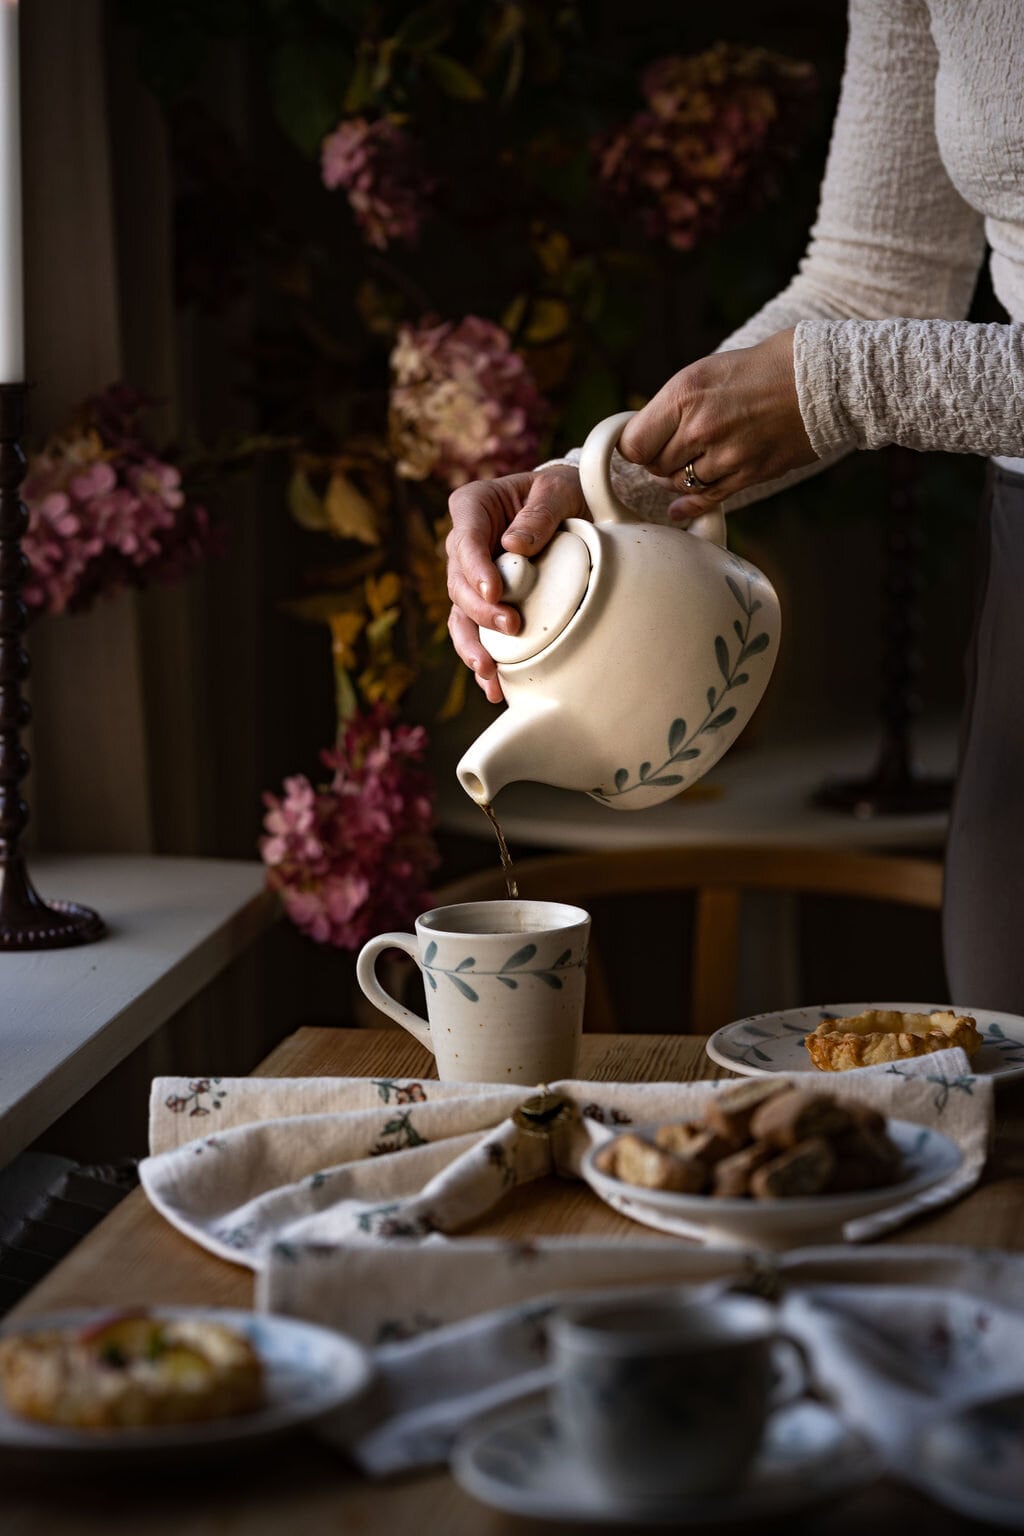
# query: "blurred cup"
504,983
669,1397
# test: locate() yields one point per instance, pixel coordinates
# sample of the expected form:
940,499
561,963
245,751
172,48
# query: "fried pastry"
731,1110
731,1177
805,1169
796,1115
129,1371
637,1162
689,1141
881,1035
760,1141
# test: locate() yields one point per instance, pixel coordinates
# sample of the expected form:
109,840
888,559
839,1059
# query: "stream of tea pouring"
508,869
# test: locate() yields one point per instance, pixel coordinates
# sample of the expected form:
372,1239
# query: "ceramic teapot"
643,652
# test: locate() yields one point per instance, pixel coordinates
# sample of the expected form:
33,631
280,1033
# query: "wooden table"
302,1487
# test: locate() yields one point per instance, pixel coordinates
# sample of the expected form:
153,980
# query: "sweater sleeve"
927,384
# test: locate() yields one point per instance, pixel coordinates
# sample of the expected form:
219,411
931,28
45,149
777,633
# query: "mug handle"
796,1374
366,975
599,494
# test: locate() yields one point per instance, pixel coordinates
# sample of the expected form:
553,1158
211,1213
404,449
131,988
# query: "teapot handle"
599,494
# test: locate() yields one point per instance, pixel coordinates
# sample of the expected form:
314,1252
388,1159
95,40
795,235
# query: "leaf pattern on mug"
510,973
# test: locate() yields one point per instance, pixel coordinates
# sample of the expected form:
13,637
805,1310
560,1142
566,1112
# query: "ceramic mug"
504,983
669,1397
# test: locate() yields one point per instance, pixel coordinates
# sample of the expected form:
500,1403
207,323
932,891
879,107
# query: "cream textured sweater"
926,165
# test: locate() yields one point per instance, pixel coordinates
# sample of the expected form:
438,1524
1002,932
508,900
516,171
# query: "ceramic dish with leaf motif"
774,1042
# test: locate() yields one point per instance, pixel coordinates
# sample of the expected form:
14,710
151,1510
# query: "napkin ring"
542,1112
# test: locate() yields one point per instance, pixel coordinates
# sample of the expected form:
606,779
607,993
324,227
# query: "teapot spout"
515,746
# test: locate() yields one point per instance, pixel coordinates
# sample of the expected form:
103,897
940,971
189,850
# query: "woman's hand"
523,512
734,416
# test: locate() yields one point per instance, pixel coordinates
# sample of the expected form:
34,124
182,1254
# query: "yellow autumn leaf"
548,318
345,627
349,514
378,630
513,315
427,568
382,591
304,504
552,249
455,698
388,682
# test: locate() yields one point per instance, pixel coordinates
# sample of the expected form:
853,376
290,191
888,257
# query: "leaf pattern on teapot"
681,740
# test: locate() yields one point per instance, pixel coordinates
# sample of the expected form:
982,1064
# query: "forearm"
955,387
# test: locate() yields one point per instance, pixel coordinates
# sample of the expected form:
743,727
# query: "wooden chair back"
717,877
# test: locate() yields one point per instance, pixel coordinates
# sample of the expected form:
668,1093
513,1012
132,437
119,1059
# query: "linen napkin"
323,1185
896,1336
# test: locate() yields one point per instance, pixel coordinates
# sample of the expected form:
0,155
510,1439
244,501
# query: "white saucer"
774,1042
928,1157
520,1465
308,1372
973,1461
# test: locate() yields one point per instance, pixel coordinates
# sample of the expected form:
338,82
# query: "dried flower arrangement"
519,215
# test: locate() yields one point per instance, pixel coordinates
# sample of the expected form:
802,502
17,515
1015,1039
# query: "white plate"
973,1460
928,1156
520,1465
309,1371
773,1042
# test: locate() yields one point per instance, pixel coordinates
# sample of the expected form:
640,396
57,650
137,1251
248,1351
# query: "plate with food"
769,1164
156,1380
839,1037
970,1458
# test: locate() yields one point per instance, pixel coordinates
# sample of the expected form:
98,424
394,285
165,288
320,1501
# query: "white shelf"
67,1016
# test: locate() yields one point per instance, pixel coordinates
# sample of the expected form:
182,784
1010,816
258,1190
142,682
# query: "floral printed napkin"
322,1185
896,1336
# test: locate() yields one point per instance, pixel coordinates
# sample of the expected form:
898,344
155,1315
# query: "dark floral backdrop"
475,230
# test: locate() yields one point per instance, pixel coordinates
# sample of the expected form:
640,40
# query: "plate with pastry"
841,1037
769,1164
163,1380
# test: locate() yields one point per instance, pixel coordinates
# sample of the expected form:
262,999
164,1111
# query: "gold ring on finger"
691,479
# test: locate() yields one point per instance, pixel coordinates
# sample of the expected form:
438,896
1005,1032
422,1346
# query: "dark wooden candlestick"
26,921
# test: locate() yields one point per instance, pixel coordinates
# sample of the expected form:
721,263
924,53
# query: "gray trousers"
983,905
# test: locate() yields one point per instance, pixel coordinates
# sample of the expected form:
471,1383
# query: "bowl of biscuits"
768,1163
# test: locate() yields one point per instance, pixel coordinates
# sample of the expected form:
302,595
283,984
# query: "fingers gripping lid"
547,591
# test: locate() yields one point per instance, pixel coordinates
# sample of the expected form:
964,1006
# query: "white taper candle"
12,287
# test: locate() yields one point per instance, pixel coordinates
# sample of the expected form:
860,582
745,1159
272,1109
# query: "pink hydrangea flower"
715,130
351,857
376,164
463,404
105,512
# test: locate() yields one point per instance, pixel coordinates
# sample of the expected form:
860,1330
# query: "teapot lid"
547,591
